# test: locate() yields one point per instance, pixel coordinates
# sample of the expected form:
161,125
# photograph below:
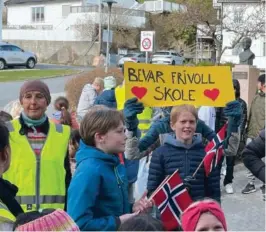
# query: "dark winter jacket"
175,155
220,117
243,106
8,193
252,155
244,117
107,98
162,126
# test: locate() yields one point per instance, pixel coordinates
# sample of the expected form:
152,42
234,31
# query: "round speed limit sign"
146,41
146,44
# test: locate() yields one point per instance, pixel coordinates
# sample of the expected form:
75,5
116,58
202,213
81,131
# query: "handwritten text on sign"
159,85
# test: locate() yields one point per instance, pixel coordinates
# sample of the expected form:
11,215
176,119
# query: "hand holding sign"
131,109
160,86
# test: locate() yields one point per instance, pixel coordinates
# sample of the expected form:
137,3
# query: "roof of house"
14,2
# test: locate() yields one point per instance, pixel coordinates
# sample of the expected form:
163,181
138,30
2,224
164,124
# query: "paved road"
56,66
244,212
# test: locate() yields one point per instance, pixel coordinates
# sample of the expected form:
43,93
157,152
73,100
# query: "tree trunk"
218,52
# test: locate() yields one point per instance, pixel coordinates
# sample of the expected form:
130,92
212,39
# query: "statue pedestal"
247,76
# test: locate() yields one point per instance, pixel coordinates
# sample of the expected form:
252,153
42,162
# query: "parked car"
167,57
132,57
12,55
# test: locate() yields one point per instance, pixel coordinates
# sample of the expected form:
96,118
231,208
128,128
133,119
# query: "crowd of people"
77,171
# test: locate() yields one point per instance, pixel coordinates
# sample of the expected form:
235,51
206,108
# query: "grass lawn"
18,75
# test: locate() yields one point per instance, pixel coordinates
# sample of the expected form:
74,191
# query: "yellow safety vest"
40,179
5,214
144,118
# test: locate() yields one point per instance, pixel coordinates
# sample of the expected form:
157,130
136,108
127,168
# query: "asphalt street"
244,212
54,66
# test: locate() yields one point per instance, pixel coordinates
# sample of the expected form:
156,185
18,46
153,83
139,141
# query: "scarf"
31,122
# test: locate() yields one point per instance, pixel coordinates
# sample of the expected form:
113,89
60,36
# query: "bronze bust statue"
247,56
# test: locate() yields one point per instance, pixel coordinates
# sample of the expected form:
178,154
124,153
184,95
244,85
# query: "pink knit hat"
58,220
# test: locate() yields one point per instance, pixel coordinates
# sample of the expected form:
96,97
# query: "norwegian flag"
171,198
214,151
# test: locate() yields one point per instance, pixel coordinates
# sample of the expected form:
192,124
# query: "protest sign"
162,85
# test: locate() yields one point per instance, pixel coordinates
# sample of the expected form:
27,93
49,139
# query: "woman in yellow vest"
40,163
9,207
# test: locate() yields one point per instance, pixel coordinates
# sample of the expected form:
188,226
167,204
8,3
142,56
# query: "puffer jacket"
256,120
162,126
252,155
175,155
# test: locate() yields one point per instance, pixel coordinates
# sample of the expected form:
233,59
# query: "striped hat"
58,220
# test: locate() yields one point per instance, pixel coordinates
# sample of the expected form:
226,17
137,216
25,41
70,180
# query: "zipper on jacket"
38,171
186,163
119,182
37,182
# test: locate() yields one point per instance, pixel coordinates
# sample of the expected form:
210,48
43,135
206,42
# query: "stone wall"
60,52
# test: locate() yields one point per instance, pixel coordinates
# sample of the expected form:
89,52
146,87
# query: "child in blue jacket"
98,193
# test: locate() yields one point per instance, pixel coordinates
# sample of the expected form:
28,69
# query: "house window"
238,14
37,14
66,10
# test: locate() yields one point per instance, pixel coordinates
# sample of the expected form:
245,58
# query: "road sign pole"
147,54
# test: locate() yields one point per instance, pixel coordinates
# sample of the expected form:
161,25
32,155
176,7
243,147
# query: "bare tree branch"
238,20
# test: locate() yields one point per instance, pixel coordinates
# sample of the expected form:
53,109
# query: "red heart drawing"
139,92
212,94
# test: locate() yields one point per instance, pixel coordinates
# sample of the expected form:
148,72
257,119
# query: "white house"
49,27
55,19
243,13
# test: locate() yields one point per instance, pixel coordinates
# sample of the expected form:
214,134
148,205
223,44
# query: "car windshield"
161,54
130,55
